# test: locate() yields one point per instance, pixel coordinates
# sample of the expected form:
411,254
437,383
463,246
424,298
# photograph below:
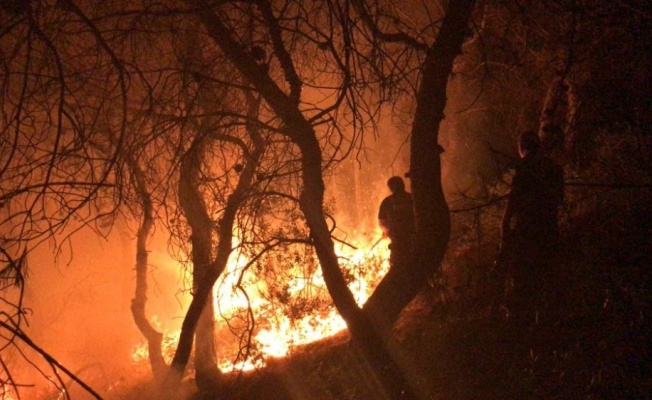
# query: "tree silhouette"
58,171
218,121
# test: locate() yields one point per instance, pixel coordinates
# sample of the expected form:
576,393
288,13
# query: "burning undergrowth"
268,308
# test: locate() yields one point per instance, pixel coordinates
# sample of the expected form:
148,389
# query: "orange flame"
282,333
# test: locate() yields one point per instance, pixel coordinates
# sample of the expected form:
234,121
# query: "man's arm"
383,218
384,227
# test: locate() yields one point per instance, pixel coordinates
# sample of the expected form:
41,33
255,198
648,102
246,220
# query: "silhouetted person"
396,219
529,228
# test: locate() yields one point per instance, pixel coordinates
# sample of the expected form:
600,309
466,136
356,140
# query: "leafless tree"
57,171
255,102
281,88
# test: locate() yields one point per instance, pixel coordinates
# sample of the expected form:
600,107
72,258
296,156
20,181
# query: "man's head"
528,142
396,184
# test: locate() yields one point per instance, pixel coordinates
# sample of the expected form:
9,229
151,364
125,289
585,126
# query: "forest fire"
126,124
277,330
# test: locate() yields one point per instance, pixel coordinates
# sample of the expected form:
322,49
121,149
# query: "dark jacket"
397,211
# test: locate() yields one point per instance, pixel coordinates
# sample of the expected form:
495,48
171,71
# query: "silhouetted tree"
283,94
78,76
58,172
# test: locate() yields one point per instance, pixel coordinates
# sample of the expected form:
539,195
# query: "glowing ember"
281,332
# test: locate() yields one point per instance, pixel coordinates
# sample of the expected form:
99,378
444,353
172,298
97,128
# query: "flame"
278,334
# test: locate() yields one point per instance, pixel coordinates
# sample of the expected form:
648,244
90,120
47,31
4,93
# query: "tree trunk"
399,287
207,373
154,338
204,277
213,269
299,130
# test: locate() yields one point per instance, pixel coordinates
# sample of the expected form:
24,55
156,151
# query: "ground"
592,339
601,355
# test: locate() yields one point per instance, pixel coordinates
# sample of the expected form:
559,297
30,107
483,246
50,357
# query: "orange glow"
7,396
277,333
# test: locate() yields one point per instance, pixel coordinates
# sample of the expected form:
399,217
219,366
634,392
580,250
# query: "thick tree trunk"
205,273
432,214
201,303
299,130
364,332
207,373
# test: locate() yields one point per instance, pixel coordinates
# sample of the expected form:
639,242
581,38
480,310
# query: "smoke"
476,139
359,183
80,296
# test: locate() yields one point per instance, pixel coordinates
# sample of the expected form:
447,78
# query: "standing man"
529,227
396,219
